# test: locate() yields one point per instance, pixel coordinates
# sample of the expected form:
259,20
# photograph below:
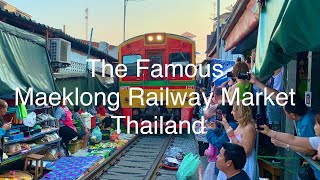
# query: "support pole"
218,30
88,56
124,19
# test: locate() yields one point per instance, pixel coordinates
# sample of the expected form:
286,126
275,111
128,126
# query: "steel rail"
101,168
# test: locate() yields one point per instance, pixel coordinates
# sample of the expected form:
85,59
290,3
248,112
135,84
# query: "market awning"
286,28
249,43
24,62
245,25
298,29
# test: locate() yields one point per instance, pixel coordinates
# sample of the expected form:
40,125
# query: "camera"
245,76
229,74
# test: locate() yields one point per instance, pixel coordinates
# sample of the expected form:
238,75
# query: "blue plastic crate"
11,131
16,137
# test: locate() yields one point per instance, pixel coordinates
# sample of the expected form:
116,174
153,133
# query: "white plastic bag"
30,120
86,119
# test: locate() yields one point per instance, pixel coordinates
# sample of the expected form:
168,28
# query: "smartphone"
219,115
10,122
259,121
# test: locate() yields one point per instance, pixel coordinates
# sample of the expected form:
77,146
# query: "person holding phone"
305,145
3,110
242,84
216,134
3,127
244,135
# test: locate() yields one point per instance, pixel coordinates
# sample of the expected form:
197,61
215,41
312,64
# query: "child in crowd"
211,153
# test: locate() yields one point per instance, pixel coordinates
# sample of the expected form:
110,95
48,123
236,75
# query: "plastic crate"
16,137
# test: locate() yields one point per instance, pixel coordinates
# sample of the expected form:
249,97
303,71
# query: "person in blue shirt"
3,127
299,113
216,134
3,111
303,116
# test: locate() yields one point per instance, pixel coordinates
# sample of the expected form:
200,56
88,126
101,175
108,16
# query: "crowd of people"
232,128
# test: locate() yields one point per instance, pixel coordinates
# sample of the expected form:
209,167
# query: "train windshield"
131,62
179,58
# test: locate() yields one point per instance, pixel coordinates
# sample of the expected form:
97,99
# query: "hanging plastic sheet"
217,77
24,62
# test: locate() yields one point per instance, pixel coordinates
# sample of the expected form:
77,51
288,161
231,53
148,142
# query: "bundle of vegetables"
102,146
105,152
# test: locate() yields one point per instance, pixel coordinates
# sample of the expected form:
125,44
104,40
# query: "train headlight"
155,38
150,38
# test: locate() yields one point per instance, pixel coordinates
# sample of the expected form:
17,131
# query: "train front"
152,89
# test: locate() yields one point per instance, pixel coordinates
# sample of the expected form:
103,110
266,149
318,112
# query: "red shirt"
102,111
81,111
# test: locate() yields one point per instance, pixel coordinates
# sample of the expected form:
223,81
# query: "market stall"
25,65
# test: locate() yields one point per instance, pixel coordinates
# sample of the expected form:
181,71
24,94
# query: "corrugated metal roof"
68,75
18,20
188,34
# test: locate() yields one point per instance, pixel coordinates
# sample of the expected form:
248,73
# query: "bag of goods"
114,136
11,148
188,167
171,163
96,135
86,119
26,146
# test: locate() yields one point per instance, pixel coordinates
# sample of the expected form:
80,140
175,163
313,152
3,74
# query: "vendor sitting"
3,111
3,127
102,112
85,131
67,130
107,123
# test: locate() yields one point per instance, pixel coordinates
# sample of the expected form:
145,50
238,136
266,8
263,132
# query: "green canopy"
266,59
24,62
286,27
91,85
298,30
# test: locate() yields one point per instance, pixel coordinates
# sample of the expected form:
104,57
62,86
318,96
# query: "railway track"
139,159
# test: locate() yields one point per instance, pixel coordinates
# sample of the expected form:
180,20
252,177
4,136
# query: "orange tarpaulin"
246,23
